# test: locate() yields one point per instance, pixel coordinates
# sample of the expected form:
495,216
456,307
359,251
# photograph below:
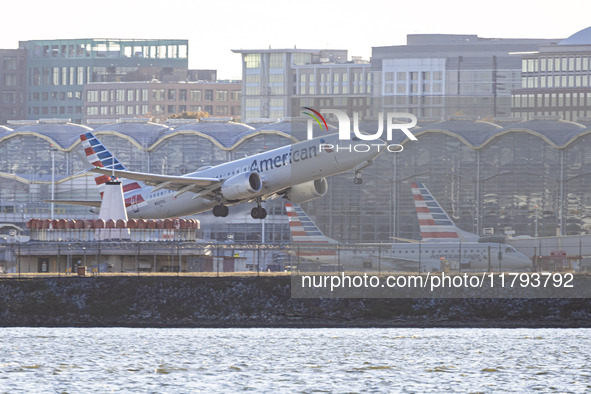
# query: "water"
80,360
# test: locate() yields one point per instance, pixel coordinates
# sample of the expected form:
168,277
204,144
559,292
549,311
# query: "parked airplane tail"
306,236
302,228
434,223
99,156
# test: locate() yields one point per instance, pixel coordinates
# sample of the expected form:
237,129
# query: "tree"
189,115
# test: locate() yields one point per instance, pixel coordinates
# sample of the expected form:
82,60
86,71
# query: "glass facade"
58,70
531,177
527,177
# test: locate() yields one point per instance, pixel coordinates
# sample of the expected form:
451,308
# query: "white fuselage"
426,256
279,169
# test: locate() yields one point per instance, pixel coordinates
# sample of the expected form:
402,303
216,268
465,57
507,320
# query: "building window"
276,78
56,76
158,94
253,90
277,90
274,103
221,95
183,94
253,103
253,78
171,94
221,110
276,60
208,95
92,96
252,60
195,95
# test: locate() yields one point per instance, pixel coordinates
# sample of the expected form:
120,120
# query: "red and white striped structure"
434,223
308,237
99,156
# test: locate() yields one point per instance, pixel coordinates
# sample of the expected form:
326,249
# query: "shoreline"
258,302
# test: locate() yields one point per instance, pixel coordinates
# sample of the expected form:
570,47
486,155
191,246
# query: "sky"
214,28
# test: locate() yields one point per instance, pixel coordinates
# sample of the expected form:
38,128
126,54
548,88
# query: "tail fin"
99,156
302,228
434,223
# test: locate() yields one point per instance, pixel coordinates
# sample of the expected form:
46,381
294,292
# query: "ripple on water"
325,360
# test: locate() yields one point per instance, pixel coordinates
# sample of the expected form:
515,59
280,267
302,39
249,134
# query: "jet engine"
242,186
308,191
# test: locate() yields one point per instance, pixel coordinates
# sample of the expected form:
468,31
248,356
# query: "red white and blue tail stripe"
434,223
305,233
99,156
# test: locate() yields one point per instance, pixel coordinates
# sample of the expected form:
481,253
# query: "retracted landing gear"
258,212
220,211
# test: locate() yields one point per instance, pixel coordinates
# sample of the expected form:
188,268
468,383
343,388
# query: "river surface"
82,360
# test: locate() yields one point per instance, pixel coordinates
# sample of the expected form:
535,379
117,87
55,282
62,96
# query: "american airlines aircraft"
297,172
441,240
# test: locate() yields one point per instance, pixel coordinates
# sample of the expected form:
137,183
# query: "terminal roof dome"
145,133
225,133
62,133
582,37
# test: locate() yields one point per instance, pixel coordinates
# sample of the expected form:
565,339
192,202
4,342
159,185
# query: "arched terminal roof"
145,134
225,134
59,132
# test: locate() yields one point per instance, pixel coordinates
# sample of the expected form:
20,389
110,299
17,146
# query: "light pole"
536,222
52,150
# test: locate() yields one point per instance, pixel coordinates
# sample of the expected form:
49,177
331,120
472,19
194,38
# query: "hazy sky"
215,27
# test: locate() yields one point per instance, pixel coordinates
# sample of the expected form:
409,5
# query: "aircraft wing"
84,203
170,182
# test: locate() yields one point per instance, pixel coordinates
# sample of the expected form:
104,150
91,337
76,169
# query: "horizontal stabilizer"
169,182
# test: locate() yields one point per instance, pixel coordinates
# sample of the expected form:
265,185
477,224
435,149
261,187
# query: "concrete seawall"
255,302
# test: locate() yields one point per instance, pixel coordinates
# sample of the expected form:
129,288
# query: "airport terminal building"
530,177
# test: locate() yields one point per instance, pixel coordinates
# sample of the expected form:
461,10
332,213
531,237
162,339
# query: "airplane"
297,172
441,241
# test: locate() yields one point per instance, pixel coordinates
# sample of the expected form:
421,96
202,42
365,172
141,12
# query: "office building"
159,100
556,80
276,83
442,75
57,70
12,84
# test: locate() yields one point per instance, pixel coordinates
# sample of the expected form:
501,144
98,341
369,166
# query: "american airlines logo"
392,124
